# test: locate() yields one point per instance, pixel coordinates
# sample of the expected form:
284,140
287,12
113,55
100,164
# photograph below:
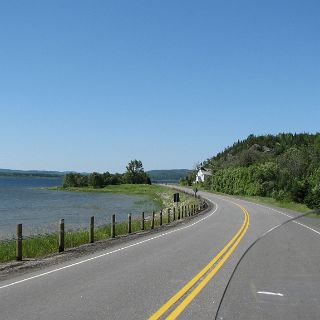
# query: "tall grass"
43,245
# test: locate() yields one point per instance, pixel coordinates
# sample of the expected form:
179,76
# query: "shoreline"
157,193
41,245
13,268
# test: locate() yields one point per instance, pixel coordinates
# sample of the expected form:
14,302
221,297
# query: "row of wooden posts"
177,214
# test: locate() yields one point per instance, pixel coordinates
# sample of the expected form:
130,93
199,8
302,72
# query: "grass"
161,195
298,207
43,245
156,193
294,206
313,215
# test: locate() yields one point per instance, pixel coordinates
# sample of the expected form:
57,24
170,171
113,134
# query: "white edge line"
271,293
284,214
290,216
303,225
114,251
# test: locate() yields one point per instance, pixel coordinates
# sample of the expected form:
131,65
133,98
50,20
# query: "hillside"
31,173
167,176
284,166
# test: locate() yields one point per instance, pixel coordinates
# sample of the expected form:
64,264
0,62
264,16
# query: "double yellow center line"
195,285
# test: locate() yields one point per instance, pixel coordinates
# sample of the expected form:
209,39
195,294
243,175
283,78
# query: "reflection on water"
23,201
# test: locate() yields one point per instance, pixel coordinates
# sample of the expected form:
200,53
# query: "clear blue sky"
90,85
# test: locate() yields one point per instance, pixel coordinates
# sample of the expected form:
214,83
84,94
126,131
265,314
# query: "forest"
284,166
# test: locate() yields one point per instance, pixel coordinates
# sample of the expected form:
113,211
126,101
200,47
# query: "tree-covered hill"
31,173
284,166
163,176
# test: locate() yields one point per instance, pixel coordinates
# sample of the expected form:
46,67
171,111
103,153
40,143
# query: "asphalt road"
133,280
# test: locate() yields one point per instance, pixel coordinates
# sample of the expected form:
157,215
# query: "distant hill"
167,176
31,173
156,176
284,166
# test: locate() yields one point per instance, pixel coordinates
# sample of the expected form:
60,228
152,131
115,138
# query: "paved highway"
180,272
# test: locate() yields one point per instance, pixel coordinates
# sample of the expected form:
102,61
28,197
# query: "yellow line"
193,281
208,277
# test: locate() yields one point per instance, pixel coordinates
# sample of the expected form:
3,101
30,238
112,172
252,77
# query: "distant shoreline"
33,175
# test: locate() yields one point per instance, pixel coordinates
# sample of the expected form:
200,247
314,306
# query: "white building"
203,174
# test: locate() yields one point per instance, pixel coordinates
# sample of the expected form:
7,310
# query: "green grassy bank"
298,207
161,195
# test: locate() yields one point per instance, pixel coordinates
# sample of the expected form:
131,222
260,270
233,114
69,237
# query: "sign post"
195,190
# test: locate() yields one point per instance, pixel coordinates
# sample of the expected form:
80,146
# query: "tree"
135,166
72,180
83,181
135,173
96,180
189,179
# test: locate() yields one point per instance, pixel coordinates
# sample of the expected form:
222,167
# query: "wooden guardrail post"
152,220
91,231
178,213
113,226
19,243
142,221
169,215
129,223
61,235
160,222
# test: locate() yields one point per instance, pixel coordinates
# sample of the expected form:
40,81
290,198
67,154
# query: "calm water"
23,201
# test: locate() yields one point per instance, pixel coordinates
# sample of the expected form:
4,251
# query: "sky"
90,85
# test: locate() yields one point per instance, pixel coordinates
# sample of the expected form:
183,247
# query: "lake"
26,200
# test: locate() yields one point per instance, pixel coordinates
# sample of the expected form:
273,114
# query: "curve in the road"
133,280
204,276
